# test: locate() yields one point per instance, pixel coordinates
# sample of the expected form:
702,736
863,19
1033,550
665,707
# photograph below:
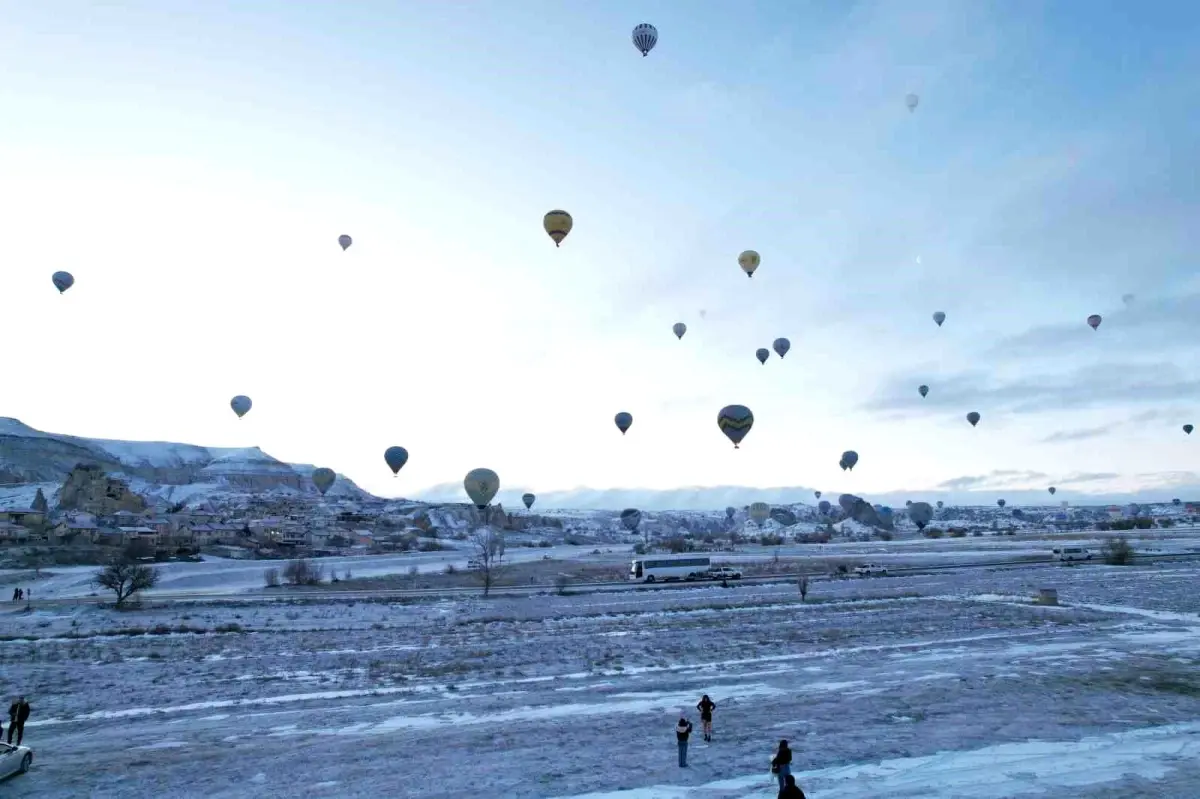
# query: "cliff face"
31,456
89,489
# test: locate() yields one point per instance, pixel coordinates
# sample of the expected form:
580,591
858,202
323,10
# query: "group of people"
19,594
781,761
18,714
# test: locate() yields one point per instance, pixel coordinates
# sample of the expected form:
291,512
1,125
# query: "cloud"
1077,435
1087,477
1084,387
999,478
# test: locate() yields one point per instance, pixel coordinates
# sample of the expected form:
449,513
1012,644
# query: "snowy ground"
942,685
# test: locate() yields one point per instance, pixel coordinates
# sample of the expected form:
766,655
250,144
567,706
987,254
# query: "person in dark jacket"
682,730
781,764
18,712
790,789
706,707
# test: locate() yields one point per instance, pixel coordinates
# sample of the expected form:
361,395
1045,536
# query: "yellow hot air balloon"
558,224
749,261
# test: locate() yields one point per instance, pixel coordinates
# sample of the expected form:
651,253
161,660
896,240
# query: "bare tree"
802,584
271,578
302,571
489,552
126,579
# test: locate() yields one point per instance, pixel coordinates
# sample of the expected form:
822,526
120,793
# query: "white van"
1070,554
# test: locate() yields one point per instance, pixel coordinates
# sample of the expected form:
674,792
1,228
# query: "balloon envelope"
923,390
921,513
680,328
1000,502
528,499
849,458
817,494
645,36
1187,428
395,457
241,405
824,507
481,486
973,418
781,346
940,503
735,422
631,518
1094,320
623,421
1053,489
759,512
345,241
939,317
323,479
558,224
762,354
749,261
62,281
911,101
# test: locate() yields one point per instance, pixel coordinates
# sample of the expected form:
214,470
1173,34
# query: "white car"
871,570
14,759
723,573
1071,554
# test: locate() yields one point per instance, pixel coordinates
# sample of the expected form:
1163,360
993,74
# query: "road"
328,594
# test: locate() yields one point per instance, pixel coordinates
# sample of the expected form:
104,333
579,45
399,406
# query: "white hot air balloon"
911,101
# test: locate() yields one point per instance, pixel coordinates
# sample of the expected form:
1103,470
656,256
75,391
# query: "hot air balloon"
940,504
1187,428
749,261
62,281
558,224
528,499
631,518
323,479
1094,320
623,421
395,457
241,405
729,512
1052,490
908,503
735,422
911,101
922,390
973,418
939,317
817,494
849,458
824,507
762,353
759,512
781,346
1000,502
481,485
345,241
1176,501
680,328
1127,299
645,36
921,513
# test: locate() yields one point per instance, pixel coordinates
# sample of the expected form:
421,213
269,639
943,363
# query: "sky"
193,163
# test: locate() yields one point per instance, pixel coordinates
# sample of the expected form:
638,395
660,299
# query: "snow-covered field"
941,685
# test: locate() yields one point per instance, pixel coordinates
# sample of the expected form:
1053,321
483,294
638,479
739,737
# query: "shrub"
450,569
931,532
1117,552
770,539
561,582
884,535
302,571
271,578
957,532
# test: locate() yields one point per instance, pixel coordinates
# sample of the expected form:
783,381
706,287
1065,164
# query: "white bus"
647,570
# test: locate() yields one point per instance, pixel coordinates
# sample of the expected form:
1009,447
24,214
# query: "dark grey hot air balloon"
908,503
781,346
631,518
1000,502
1176,501
1094,321
345,241
939,317
824,507
973,418
680,328
395,457
528,499
921,513
62,281
762,353
940,504
645,36
923,390
817,494
729,512
481,485
323,479
735,422
849,458
624,421
1053,490
241,405
1187,428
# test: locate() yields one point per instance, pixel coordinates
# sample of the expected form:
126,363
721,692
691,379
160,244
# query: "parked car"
870,570
723,573
1070,554
14,759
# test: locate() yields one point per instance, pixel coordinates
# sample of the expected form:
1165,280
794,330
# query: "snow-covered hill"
175,472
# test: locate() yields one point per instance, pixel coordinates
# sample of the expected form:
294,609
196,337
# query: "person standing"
18,713
682,730
706,707
790,789
781,764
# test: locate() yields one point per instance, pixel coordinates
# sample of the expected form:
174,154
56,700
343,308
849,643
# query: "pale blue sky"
193,164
